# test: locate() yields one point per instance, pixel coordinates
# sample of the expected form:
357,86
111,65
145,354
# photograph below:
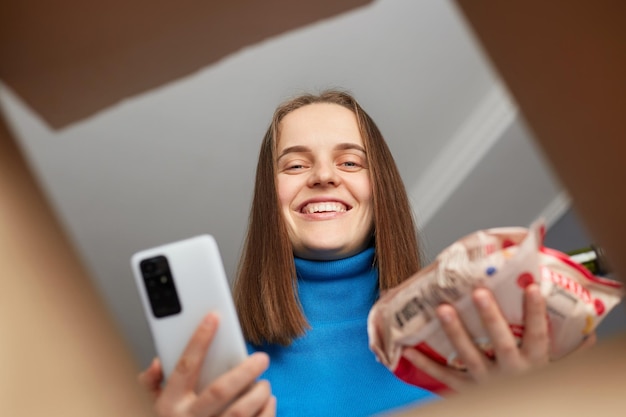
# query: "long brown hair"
265,289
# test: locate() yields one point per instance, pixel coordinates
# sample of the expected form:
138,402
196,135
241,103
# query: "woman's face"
323,182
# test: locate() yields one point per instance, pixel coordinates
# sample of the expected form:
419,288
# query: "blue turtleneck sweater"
330,371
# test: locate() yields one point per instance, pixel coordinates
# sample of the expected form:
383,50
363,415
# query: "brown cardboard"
69,59
60,353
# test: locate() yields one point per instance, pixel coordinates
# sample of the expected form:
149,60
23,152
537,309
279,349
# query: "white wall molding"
556,209
469,145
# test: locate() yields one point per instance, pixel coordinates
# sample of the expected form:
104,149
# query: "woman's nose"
323,175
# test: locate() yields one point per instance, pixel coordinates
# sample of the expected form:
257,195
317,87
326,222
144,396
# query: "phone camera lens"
160,287
148,267
154,266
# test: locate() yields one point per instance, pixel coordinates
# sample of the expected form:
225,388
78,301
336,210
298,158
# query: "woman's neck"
340,290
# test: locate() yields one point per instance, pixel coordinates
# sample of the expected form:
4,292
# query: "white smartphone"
179,283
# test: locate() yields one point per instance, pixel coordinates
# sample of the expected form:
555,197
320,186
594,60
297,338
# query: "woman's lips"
324,207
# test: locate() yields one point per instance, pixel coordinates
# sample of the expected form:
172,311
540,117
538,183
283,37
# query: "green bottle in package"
591,257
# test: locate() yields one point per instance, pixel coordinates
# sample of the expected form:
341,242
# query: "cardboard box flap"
69,59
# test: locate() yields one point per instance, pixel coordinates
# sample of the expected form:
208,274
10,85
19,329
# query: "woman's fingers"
152,377
536,340
225,389
252,402
509,357
269,409
455,380
185,376
505,346
235,393
465,347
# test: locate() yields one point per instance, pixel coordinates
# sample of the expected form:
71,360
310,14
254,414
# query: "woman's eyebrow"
293,149
348,145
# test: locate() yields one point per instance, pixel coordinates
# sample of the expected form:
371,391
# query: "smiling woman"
330,228
321,128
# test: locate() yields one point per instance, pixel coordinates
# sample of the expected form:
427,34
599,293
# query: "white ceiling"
179,160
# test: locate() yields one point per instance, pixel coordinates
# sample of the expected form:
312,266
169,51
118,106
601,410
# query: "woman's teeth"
323,207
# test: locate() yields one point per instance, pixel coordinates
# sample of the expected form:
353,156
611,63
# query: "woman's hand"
509,358
236,393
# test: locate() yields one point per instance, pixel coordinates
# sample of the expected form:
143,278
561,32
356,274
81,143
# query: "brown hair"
265,289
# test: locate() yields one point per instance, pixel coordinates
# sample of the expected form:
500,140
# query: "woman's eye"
350,164
294,166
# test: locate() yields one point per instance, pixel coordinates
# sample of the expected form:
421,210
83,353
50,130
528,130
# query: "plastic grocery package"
505,260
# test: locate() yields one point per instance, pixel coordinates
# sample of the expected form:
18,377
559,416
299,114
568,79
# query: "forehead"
318,123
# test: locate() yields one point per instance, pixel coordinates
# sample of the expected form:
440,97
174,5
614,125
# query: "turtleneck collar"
334,291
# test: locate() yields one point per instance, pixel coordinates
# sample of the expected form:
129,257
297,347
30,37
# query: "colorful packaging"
505,260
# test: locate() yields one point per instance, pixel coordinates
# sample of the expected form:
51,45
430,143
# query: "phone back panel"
201,285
